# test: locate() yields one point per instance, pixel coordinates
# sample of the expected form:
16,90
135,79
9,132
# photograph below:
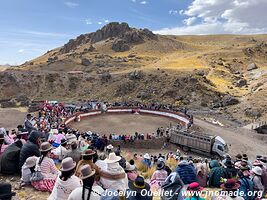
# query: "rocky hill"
222,74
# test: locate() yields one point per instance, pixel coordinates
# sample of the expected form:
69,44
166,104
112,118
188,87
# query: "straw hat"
147,156
31,161
67,164
110,147
45,146
112,158
86,171
257,170
129,167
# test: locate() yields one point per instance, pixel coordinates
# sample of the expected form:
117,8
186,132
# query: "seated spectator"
27,170
66,182
186,172
257,179
229,170
88,191
61,152
74,152
230,188
131,170
246,184
215,174
101,161
122,161
87,158
138,186
172,187
114,177
193,189
6,192
9,159
202,174
158,176
31,148
260,164
48,169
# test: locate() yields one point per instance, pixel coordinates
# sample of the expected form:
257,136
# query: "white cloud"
189,21
106,21
21,50
71,4
43,34
143,2
88,21
173,12
99,23
133,1
222,17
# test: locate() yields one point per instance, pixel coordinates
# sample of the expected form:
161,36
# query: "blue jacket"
186,172
246,185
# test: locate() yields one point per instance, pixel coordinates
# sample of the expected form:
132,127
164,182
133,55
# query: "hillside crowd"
70,165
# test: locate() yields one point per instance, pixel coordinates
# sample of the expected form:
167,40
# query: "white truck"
204,144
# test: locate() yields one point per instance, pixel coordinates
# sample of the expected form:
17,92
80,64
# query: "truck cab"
219,147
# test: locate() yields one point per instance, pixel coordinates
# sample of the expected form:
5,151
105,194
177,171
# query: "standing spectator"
146,161
29,124
66,182
31,148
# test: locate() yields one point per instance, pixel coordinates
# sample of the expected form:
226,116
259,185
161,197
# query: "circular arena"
125,121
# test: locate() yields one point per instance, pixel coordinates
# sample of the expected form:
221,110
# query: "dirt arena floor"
123,123
10,118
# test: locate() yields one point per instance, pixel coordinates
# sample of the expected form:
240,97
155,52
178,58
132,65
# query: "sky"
29,28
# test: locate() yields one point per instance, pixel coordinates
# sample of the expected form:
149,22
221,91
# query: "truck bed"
192,140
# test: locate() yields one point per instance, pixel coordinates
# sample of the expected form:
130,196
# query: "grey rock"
85,62
251,67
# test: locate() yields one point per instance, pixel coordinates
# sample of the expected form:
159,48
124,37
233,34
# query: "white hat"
147,156
31,161
110,147
257,170
129,167
112,158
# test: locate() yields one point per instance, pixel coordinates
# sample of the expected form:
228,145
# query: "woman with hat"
131,170
6,192
66,182
193,189
88,191
257,178
48,169
114,176
246,184
87,158
27,170
158,176
229,189
140,189
202,174
147,160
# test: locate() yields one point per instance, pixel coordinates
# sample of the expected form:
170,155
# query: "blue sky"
29,28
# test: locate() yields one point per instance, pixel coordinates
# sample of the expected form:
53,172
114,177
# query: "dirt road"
240,139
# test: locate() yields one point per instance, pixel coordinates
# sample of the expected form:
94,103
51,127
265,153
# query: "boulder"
85,62
120,45
251,67
241,83
253,112
227,100
136,75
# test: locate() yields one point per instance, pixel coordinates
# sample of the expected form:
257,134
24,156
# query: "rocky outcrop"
105,77
227,100
253,112
135,75
241,83
123,34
